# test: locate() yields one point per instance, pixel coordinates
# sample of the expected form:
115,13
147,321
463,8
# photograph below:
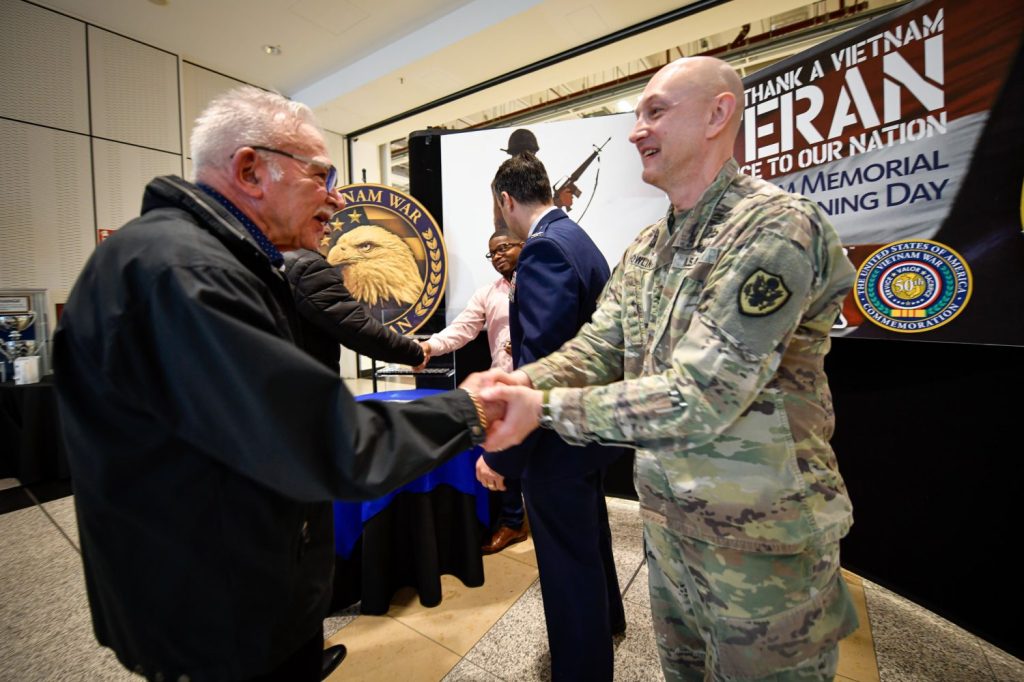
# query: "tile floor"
491,633
487,634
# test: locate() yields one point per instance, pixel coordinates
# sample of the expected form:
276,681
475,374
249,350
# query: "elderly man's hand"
488,477
522,414
494,410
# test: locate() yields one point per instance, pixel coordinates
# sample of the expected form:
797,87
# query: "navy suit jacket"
558,280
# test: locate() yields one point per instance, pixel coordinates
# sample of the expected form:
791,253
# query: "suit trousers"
511,514
582,602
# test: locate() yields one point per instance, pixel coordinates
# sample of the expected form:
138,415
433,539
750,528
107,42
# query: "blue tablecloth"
458,472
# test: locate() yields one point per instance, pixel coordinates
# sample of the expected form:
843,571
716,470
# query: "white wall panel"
43,78
336,147
46,225
134,91
122,173
199,87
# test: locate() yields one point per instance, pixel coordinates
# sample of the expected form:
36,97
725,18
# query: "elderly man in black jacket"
204,444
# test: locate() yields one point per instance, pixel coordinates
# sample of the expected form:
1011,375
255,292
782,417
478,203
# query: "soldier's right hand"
522,415
478,381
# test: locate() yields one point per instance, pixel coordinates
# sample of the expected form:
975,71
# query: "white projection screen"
613,206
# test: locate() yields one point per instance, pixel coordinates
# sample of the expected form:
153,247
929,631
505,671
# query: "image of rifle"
565,191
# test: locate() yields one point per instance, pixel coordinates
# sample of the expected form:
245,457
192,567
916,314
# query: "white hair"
245,116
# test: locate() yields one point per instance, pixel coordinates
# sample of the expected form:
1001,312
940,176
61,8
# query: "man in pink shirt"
488,308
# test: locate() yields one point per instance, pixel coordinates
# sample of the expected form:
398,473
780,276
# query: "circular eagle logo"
913,286
390,253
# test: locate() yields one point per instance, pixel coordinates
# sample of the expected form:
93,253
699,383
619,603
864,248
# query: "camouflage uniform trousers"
726,614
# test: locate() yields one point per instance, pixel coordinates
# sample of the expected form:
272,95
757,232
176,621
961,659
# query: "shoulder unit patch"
762,293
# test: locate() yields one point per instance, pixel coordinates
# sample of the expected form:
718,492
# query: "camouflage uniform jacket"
706,353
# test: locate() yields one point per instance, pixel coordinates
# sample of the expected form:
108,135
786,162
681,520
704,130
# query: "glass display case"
24,329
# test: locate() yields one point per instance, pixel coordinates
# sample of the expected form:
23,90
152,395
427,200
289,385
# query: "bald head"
686,125
707,78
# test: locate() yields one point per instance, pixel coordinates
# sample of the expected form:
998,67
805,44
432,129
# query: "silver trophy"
13,346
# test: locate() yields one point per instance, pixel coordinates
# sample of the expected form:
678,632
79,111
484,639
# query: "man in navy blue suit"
554,292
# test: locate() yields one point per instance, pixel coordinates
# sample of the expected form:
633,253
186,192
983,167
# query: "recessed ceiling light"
272,49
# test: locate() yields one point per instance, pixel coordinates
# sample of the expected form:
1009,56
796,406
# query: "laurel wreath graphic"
432,285
389,204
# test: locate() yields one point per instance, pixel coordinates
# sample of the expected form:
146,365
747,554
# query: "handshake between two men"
518,404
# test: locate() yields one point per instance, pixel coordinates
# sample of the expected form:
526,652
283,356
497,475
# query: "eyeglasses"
502,248
332,173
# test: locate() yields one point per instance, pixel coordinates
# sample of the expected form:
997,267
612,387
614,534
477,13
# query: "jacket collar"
170,191
545,220
265,245
693,224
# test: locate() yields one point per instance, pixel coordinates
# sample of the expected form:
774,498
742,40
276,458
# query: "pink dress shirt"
487,308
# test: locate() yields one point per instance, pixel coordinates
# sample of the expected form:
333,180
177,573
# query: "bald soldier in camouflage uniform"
706,353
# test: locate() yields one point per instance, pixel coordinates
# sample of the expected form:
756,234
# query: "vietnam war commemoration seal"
390,253
913,286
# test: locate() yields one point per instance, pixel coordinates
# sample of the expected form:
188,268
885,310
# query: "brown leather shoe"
504,537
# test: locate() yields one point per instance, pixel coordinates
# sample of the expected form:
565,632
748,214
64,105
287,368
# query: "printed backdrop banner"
909,133
612,203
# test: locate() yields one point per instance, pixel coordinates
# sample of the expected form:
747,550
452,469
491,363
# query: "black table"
31,446
431,526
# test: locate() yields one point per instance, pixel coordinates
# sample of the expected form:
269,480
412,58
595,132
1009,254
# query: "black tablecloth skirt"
31,445
411,543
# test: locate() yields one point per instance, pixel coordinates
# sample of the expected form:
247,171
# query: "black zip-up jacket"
330,315
205,445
